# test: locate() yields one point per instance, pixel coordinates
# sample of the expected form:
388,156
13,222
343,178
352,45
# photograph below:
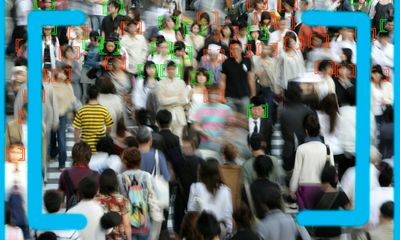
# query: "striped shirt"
92,119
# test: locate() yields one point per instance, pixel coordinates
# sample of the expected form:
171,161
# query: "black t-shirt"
236,77
340,202
259,188
245,234
109,25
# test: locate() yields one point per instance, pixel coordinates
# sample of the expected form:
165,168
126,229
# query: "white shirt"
136,49
23,7
168,35
102,161
251,125
140,93
220,204
13,233
331,139
378,196
114,105
93,213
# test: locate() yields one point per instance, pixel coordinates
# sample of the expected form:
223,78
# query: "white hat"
307,77
214,48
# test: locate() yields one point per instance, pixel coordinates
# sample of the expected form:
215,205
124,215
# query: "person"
386,134
112,21
263,167
311,157
147,82
149,154
73,67
331,199
276,225
199,82
113,201
70,177
381,93
47,236
254,17
318,50
230,155
344,83
210,194
208,227
259,120
65,99
53,201
105,157
92,121
213,60
109,99
195,39
210,127
168,29
11,231
90,208
135,45
243,220
91,62
237,79
385,229
188,229
172,95
131,157
50,48
326,84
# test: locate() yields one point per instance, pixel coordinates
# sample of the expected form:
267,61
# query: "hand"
293,195
84,53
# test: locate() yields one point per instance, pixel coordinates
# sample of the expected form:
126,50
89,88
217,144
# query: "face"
316,42
257,111
48,4
151,71
69,54
61,77
132,28
376,76
282,25
204,22
201,78
343,57
266,22
347,33
226,32
344,72
389,26
260,6
163,48
236,50
47,31
255,34
112,9
118,64
243,32
267,50
291,43
110,46
170,23
214,96
16,153
94,41
171,71
195,29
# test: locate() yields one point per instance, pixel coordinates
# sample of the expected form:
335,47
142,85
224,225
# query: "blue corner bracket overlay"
3,117
396,88
360,214
36,219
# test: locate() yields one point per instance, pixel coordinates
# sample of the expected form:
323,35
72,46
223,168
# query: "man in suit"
258,120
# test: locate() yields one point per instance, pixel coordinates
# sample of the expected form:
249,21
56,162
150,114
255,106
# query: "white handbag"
161,186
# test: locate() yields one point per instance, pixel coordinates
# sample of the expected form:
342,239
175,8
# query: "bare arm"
222,82
127,226
252,83
77,134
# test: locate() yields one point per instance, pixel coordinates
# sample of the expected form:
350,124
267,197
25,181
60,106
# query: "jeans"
238,104
58,142
76,86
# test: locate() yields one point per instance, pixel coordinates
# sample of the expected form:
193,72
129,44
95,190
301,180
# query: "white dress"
291,67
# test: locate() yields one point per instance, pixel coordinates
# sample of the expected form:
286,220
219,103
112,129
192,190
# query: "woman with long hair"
212,195
145,84
50,48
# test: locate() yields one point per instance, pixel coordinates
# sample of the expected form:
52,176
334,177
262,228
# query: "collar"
312,139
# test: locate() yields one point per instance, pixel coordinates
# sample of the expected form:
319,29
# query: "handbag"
161,186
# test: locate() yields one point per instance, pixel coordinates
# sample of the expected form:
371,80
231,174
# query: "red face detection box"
51,79
332,63
214,18
15,153
325,43
250,52
77,51
353,70
221,94
109,66
85,32
18,43
220,60
302,43
124,24
250,7
280,5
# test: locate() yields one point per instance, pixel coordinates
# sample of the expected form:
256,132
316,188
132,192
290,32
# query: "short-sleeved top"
92,119
340,202
236,77
115,203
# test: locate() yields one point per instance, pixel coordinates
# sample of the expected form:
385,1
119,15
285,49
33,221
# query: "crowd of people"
178,107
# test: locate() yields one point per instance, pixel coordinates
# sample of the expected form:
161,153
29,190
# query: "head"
271,199
47,30
52,201
257,142
208,226
47,4
214,94
133,26
60,76
105,85
329,176
81,153
150,70
293,94
263,166
257,104
236,49
387,212
389,26
108,182
386,175
289,5
171,69
113,7
347,33
202,76
162,47
329,105
106,145
282,25
143,136
110,46
317,40
188,146
346,71
88,188
265,18
93,92
204,19
164,118
227,31
195,28
134,13
230,152
325,67
68,52
179,49
267,50
142,117
131,158
242,216
259,5
209,175
47,236
311,125
347,55
188,226
94,38
289,40
377,73
131,141
168,23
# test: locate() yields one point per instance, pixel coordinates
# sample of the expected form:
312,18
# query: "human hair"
143,135
242,216
208,225
136,13
47,236
230,28
165,20
52,201
65,49
386,174
329,105
87,188
160,39
133,21
147,65
203,72
324,64
179,45
105,85
94,35
92,92
255,3
289,35
265,15
115,4
195,23
271,198
188,227
205,16
209,175
257,142
164,118
348,53
108,182
131,157
311,125
131,141
330,175
121,127
232,42
229,151
387,210
81,153
263,166
293,94
142,116
105,144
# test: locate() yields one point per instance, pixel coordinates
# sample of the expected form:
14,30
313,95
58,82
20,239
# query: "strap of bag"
156,170
329,206
328,154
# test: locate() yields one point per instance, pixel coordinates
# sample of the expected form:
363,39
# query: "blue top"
148,163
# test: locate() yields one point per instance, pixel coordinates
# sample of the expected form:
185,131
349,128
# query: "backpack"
74,197
139,214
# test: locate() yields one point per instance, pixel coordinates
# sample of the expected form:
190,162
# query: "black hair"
263,166
324,64
65,50
52,201
271,198
348,53
235,42
108,182
257,141
230,28
329,105
131,141
81,153
105,144
145,75
205,16
387,209
208,225
257,101
88,188
209,175
116,4
242,216
179,45
265,15
329,175
92,92
142,116
94,35
105,84
171,64
47,236
293,93
20,61
311,125
160,39
386,174
164,118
